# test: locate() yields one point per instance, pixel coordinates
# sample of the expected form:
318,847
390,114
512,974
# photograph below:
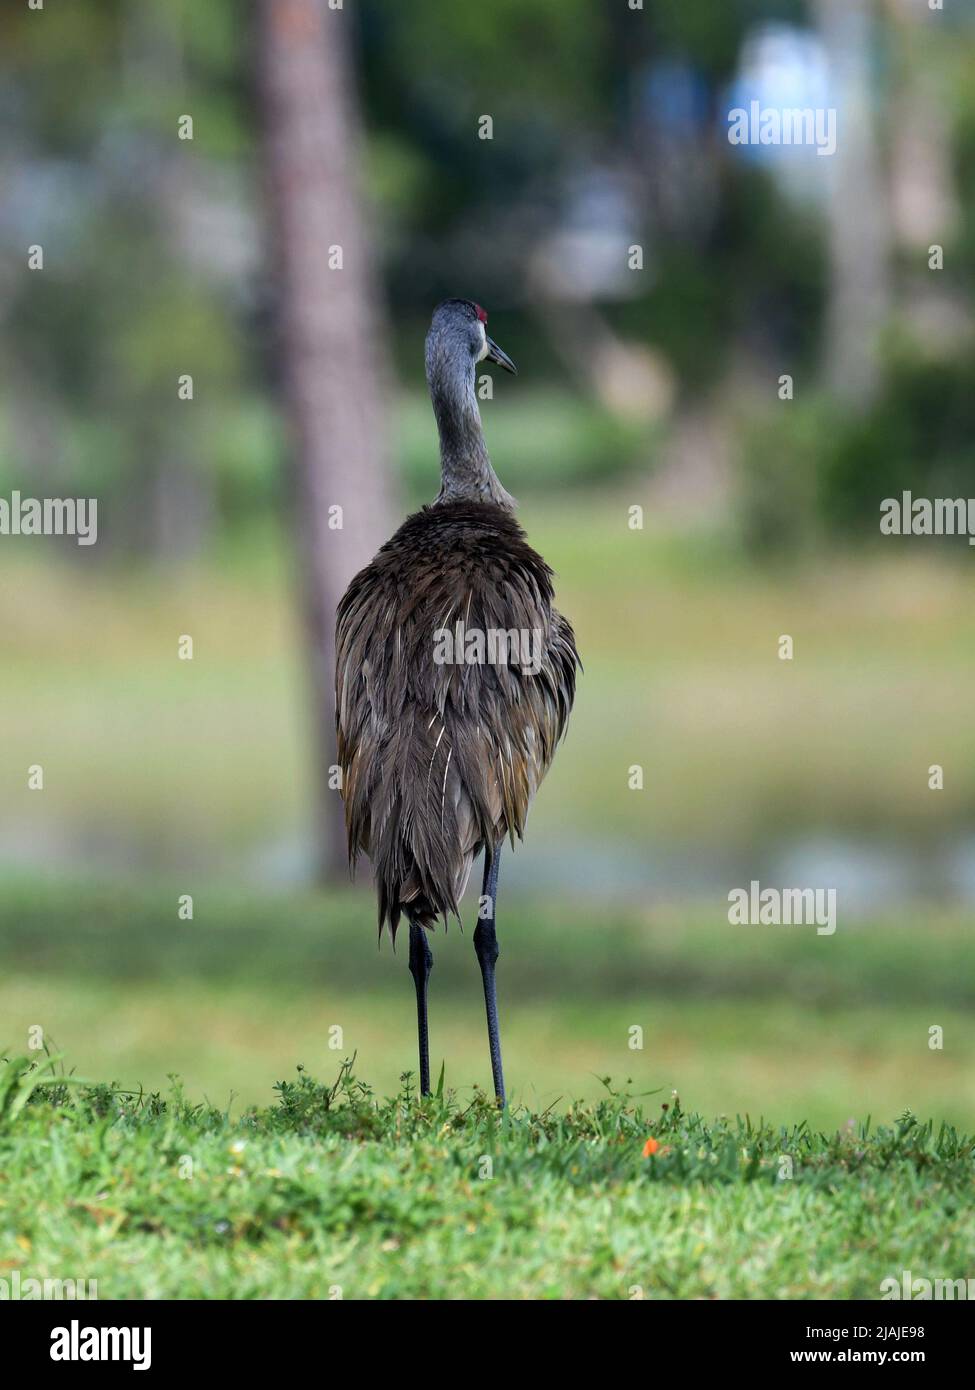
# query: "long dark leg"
421,963
486,946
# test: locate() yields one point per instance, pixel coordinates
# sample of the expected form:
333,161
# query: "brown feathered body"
441,759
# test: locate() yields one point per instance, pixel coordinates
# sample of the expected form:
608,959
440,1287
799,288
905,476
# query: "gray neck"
465,465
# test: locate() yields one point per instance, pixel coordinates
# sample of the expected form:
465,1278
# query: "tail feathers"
434,817
421,869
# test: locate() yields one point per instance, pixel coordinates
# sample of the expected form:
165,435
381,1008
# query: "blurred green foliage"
813,473
155,262
919,435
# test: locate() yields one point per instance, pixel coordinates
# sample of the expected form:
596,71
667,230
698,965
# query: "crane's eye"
480,313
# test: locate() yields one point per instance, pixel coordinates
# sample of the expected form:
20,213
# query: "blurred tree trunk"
858,210
925,202
331,355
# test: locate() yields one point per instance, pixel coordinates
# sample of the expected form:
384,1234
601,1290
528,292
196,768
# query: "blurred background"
654,283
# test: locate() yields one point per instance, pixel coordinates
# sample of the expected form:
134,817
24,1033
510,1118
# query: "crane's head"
458,333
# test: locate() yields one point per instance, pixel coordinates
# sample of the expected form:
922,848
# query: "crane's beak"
494,354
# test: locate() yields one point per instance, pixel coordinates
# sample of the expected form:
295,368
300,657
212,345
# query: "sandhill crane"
454,681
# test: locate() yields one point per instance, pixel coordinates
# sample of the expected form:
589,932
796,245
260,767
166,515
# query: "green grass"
331,1192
